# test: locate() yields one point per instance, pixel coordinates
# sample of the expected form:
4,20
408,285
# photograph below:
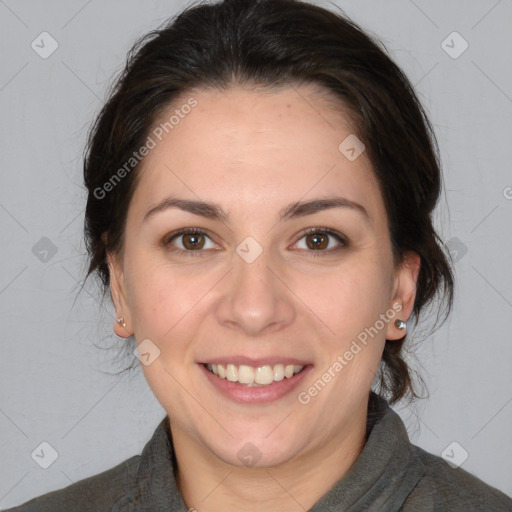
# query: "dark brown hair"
273,43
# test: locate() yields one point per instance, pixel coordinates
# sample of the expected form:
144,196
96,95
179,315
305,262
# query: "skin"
254,152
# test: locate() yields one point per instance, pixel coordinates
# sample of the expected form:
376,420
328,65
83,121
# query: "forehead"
245,147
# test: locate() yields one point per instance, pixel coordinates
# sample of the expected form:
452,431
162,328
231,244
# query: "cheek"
157,303
351,295
163,298
350,302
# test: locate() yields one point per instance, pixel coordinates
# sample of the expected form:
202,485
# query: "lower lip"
257,394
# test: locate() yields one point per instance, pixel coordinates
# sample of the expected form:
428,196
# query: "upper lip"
260,361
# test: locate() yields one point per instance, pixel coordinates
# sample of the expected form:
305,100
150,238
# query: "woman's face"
251,288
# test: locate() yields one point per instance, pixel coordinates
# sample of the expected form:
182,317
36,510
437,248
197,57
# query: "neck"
209,484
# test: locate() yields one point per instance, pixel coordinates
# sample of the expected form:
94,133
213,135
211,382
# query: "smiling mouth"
264,375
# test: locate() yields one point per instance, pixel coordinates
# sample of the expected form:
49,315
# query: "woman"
261,185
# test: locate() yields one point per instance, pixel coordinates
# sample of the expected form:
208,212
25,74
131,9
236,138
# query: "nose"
256,299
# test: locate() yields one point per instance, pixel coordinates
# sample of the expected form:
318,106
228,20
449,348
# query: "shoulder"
97,493
444,487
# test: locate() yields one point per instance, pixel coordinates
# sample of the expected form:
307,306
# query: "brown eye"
188,241
317,241
193,241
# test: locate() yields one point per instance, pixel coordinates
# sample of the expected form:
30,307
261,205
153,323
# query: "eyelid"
183,231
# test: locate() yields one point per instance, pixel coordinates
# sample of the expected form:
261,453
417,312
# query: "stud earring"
120,321
400,324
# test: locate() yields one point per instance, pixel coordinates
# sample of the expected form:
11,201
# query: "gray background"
56,380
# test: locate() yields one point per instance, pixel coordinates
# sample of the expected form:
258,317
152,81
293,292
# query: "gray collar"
385,472
380,480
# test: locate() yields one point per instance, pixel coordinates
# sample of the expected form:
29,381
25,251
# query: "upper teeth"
262,375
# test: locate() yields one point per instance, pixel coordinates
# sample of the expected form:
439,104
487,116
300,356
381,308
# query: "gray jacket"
390,475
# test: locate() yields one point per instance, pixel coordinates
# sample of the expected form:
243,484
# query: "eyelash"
167,241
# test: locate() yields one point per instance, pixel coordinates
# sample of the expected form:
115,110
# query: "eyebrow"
294,210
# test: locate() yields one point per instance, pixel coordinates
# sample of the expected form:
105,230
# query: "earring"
120,321
400,324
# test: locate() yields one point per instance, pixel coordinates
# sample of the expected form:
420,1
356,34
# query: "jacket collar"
380,480
385,472
158,491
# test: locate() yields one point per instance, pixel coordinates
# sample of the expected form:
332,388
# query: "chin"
256,452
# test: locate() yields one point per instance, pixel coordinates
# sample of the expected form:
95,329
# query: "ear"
119,296
404,292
